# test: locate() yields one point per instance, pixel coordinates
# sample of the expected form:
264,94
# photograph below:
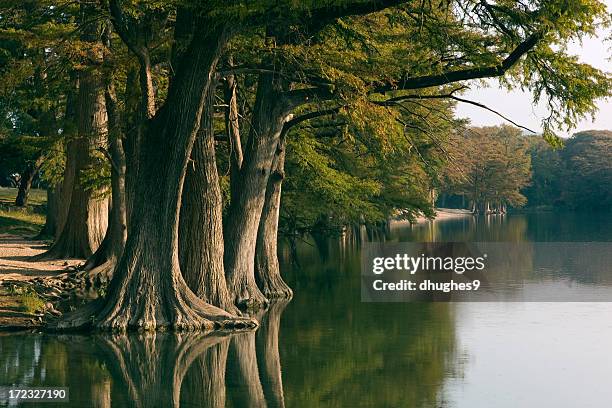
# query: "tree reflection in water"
152,369
345,357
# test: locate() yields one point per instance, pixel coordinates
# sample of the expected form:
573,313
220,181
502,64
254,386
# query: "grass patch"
31,303
22,223
37,197
26,222
27,299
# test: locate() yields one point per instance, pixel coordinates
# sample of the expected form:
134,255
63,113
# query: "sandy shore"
448,213
443,214
16,263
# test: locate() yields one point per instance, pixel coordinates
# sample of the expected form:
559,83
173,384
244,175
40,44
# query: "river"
326,348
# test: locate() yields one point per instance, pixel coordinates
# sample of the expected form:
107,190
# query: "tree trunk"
267,267
101,264
268,355
270,114
147,291
135,120
201,222
26,182
232,127
53,217
65,187
87,217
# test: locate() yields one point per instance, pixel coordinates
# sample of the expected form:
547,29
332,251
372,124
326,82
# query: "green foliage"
385,148
29,301
35,59
97,177
377,164
491,166
578,177
384,159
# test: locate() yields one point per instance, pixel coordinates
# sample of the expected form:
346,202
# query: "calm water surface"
327,349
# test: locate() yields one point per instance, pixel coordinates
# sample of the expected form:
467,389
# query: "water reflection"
347,356
148,370
535,227
327,348
337,351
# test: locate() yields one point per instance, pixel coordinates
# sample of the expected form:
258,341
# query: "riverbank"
445,214
31,290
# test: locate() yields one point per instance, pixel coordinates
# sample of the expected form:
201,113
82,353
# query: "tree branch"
397,100
466,74
317,18
483,106
308,116
139,48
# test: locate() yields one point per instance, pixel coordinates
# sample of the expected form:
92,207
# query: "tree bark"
25,183
147,291
86,218
270,113
52,220
232,126
201,222
267,267
135,120
101,264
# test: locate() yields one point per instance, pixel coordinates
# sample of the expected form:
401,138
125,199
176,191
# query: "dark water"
328,349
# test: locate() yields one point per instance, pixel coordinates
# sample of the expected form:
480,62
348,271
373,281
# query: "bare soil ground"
18,272
16,259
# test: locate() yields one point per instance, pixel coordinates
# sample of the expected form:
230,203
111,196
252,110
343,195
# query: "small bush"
31,302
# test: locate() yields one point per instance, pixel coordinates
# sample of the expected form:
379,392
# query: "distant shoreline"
441,214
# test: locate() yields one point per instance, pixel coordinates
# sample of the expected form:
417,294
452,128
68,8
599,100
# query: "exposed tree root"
189,313
274,287
96,277
195,315
247,296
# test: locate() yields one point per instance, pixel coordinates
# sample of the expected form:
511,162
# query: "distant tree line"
496,168
576,177
488,167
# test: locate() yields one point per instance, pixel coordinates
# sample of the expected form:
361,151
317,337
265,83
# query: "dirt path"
16,270
16,264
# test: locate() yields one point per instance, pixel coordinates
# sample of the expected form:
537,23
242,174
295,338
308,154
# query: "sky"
518,105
